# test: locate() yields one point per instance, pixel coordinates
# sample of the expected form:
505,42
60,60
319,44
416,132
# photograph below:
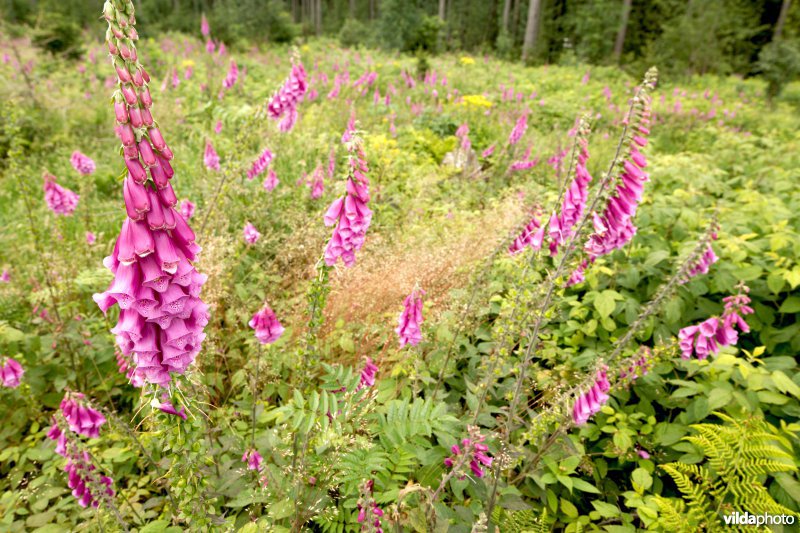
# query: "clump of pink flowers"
210,157
260,164
707,337
271,181
60,200
317,184
77,416
157,288
614,228
232,77
284,102
10,373
268,327
349,213
589,403
472,449
82,163
519,129
255,462
704,263
368,374
561,226
187,209
369,513
251,234
410,320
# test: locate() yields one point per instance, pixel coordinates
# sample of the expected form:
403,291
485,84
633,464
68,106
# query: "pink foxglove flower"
614,228
251,234
205,29
260,164
60,200
317,184
707,337
80,416
218,127
210,157
268,328
519,129
284,102
463,134
253,459
562,226
82,163
157,288
532,236
408,328
526,162
350,129
475,451
5,277
10,373
368,374
350,214
187,209
165,406
701,267
233,75
488,152
332,163
271,181
90,238
577,275
84,481
589,403
210,46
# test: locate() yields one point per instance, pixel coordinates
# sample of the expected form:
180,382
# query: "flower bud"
125,133
144,95
129,95
122,73
136,78
147,153
136,117
136,170
166,153
157,139
121,112
147,118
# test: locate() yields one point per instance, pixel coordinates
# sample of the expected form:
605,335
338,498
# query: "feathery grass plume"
60,200
349,213
10,372
157,288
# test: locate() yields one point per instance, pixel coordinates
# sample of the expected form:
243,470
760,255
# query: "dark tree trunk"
531,28
781,19
619,43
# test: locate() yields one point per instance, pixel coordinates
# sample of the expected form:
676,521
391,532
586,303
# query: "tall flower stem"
255,393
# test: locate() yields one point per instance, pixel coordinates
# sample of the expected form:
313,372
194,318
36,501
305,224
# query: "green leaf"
790,305
157,526
606,302
584,486
789,484
785,384
281,509
569,509
775,281
642,480
606,510
622,440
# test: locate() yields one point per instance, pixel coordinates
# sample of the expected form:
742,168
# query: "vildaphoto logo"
764,519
